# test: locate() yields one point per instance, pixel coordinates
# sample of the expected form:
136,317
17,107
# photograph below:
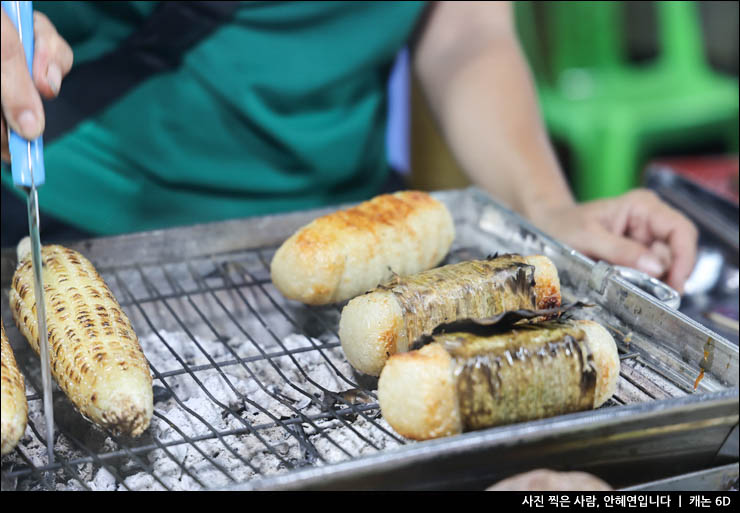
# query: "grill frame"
461,461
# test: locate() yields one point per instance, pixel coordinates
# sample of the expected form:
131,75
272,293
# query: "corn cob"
14,405
94,353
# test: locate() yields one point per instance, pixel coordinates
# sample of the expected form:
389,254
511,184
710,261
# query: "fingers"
599,243
674,229
663,253
52,56
21,103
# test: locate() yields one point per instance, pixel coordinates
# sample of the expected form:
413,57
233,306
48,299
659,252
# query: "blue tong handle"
26,157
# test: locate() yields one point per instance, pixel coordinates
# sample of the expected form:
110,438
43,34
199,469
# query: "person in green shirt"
178,113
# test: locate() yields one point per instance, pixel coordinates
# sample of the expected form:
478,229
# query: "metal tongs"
27,164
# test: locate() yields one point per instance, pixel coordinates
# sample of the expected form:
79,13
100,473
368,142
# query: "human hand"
21,103
550,480
636,230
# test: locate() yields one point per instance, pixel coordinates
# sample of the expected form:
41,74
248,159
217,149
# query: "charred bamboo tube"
463,382
388,320
14,406
94,353
348,252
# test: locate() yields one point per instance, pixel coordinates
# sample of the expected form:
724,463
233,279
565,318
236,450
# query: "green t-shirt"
282,107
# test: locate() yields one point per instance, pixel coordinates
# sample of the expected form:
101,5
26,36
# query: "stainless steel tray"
723,478
252,390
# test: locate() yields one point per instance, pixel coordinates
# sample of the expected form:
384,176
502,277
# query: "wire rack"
246,385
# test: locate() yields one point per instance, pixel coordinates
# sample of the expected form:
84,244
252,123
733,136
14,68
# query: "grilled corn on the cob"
94,353
14,405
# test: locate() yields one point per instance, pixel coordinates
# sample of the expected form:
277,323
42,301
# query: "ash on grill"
197,458
248,384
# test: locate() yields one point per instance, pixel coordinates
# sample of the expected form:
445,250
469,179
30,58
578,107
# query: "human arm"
480,90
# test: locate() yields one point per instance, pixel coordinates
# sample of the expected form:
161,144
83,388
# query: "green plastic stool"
614,115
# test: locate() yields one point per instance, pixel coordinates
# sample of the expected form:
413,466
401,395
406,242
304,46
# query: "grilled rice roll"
463,381
14,410
389,319
94,353
348,252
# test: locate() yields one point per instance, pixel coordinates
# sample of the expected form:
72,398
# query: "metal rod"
153,291
292,321
242,361
258,381
46,471
96,458
52,466
191,374
308,379
38,287
62,431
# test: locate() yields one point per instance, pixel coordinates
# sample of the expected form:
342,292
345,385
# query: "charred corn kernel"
14,405
94,353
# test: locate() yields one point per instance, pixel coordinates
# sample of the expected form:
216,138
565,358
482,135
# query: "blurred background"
659,76
633,94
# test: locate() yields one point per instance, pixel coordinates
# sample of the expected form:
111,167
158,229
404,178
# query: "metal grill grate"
247,384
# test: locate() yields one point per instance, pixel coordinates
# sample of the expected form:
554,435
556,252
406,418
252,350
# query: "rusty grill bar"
249,385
